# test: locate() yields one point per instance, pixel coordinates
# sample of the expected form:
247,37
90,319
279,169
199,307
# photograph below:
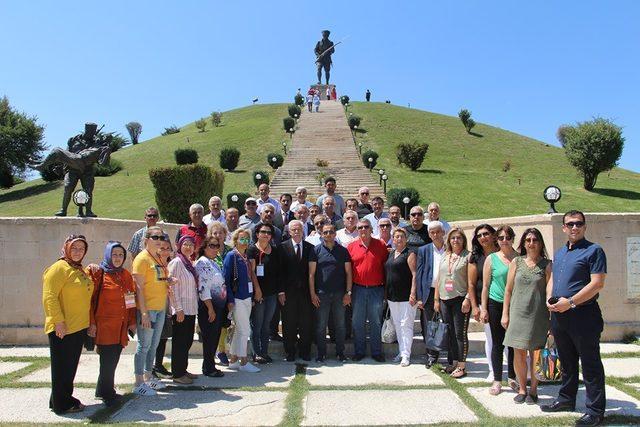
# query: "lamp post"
552,195
284,146
81,198
380,172
274,160
384,179
258,178
291,133
360,147
406,201
234,198
370,160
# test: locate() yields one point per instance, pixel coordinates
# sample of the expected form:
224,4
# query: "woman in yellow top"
66,298
152,281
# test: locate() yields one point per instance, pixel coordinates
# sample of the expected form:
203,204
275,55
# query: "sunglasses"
576,224
502,238
318,224
484,234
416,214
152,215
156,237
364,194
265,232
531,240
213,245
364,227
384,225
326,233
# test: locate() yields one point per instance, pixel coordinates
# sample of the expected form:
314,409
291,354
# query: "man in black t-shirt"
418,232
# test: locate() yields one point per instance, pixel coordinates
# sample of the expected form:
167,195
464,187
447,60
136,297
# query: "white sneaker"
156,384
405,362
235,365
144,390
398,358
248,367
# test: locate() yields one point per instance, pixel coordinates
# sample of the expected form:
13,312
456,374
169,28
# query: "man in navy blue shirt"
579,270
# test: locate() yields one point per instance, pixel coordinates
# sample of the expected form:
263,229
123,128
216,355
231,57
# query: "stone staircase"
326,136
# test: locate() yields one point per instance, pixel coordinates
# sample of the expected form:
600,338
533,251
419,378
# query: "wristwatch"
349,293
571,303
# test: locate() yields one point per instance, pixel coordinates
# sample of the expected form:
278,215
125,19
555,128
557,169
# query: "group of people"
332,264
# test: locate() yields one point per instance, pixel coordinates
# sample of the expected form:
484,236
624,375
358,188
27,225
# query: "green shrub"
117,142
354,121
171,129
365,159
288,124
216,118
275,160
294,111
238,204
412,155
395,196
112,167
52,172
186,156
6,178
229,158
264,178
178,187
344,99
299,99
201,124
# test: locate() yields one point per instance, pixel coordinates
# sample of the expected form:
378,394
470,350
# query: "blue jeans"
330,305
261,315
367,305
148,340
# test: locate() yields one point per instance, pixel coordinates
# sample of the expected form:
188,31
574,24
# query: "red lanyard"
456,262
161,265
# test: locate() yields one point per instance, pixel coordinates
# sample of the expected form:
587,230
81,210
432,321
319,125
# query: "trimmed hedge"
239,204
395,196
279,160
412,155
365,159
298,99
229,158
294,111
186,156
264,178
344,99
179,187
354,121
288,123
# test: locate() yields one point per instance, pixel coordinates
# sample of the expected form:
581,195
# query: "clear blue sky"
523,66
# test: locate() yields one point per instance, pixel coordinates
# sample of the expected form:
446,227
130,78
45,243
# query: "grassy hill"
463,172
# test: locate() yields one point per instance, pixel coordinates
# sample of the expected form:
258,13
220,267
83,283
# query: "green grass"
463,172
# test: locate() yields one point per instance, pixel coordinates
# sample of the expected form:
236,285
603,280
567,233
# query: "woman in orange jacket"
112,316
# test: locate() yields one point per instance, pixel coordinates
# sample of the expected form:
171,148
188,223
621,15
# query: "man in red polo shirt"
196,228
368,256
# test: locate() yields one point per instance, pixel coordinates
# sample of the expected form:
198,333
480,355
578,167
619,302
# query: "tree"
592,147
201,124
134,129
412,155
216,118
229,158
21,142
117,142
467,121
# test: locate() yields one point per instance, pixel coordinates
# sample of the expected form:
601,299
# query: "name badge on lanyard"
448,284
260,270
130,300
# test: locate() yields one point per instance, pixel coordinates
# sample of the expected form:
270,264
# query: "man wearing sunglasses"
418,232
579,270
363,208
151,216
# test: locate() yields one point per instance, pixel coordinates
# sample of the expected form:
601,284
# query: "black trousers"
577,336
65,355
210,333
160,350
458,322
275,320
181,340
497,336
109,358
425,316
297,319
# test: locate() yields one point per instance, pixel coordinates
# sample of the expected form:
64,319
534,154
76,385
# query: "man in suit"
286,214
429,257
297,311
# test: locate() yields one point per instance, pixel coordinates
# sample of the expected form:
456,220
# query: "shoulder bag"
388,330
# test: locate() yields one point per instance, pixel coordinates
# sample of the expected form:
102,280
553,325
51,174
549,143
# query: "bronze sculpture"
84,150
324,49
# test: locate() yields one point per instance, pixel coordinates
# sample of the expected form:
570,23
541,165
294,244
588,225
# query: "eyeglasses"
483,234
384,225
250,203
576,224
213,245
455,238
502,238
156,237
364,194
318,224
165,249
531,240
265,232
416,214
152,215
364,227
326,233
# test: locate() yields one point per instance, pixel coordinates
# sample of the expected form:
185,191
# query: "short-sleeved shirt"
453,267
417,238
155,280
137,241
269,278
339,201
330,275
572,268
368,262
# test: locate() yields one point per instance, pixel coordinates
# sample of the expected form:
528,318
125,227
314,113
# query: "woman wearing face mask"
113,315
244,288
66,298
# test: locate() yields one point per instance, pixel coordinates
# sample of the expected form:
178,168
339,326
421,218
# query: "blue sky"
523,66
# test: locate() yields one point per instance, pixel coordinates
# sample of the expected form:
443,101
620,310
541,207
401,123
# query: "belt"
368,286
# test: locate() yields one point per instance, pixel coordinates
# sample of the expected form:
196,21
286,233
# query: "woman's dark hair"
262,225
205,242
523,249
508,230
476,248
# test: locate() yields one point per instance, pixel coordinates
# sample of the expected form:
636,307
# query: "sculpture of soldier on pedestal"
324,49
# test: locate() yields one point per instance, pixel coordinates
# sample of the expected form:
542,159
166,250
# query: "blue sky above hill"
523,66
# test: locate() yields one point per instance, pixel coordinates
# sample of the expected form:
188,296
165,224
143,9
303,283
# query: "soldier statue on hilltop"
324,49
84,150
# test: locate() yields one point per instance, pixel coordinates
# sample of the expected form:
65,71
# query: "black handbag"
437,336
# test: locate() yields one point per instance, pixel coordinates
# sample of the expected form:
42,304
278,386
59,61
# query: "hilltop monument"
324,49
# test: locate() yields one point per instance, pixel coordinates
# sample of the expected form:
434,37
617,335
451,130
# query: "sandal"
531,399
448,369
459,373
495,389
513,384
520,398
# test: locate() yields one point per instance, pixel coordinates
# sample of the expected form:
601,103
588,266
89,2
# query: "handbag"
388,330
548,368
437,334
90,342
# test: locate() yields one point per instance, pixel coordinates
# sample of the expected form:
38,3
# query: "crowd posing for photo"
330,265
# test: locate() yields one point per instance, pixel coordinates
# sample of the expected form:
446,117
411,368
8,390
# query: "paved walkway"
333,393
326,136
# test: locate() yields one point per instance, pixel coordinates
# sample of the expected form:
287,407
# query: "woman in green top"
494,276
451,295
525,313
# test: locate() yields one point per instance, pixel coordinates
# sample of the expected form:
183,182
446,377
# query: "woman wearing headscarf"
66,298
184,307
113,315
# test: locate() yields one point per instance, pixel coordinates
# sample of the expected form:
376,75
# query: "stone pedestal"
323,90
